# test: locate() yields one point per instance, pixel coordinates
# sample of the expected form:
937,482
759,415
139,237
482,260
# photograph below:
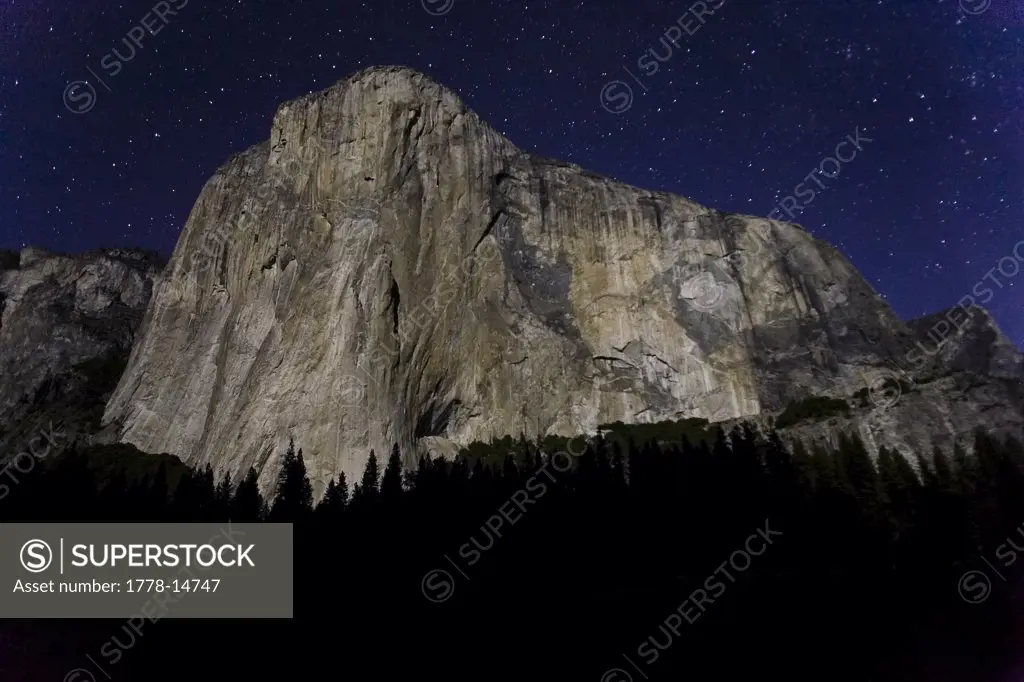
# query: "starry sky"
742,106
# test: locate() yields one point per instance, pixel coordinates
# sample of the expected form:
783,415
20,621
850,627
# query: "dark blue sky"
744,106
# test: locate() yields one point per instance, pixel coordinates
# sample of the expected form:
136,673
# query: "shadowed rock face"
67,324
387,268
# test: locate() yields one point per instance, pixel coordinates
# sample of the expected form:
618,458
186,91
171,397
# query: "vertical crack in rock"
651,210
394,299
490,227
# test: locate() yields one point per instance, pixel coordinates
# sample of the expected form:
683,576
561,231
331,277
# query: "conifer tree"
294,499
803,464
824,470
618,470
944,479
391,482
206,492
905,472
420,477
887,475
928,479
962,466
247,503
899,488
222,498
187,498
341,490
370,483
860,473
335,498
458,477
509,472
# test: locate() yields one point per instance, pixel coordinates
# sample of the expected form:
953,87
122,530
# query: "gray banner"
147,570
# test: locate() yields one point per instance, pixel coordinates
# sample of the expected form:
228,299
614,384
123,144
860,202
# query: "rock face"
67,324
388,268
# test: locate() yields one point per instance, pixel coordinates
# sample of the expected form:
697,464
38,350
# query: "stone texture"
66,327
388,268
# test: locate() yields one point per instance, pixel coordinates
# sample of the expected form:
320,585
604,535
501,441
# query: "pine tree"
294,499
391,483
944,479
420,477
888,476
369,486
899,487
509,473
987,474
803,464
1014,450
341,490
247,503
458,477
618,470
861,476
303,486
824,470
335,498
325,502
928,478
964,472
905,472
185,505
222,498
207,493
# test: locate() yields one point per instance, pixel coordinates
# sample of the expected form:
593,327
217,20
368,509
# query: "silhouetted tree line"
561,563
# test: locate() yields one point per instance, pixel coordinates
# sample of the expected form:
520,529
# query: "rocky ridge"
387,268
67,324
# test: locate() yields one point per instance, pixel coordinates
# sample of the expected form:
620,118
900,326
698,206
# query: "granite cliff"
388,268
67,324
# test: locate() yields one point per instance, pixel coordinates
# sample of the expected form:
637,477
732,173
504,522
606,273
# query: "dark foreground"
712,562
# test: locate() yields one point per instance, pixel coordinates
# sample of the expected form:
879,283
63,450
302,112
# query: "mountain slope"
388,268
67,324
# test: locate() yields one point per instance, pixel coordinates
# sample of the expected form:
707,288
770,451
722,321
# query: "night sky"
744,107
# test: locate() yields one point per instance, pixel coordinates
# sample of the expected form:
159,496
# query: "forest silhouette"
638,554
